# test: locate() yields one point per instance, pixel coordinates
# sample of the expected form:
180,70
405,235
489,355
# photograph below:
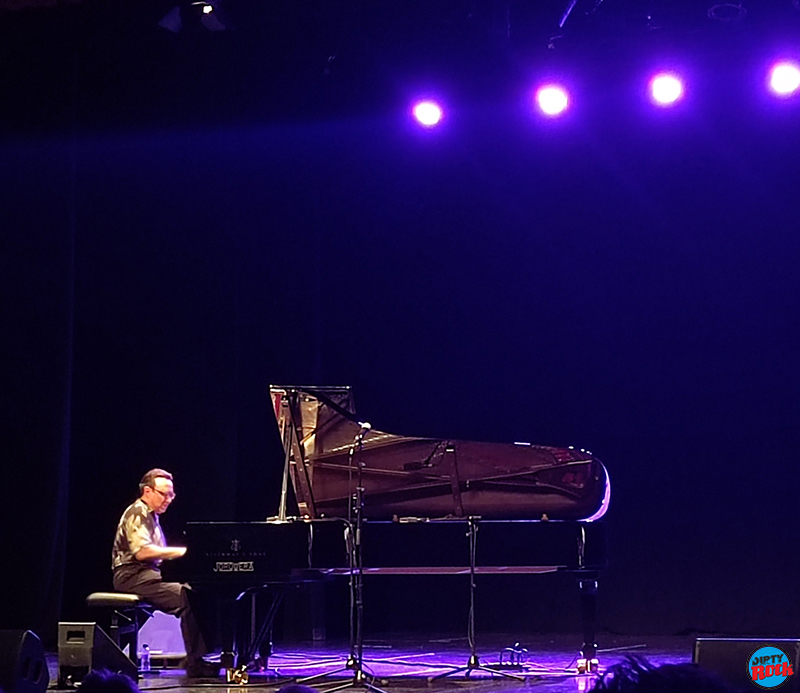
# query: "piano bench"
129,612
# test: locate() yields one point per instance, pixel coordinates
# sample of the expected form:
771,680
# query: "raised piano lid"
406,476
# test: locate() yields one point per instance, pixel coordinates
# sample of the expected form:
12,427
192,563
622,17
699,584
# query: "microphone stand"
355,522
474,662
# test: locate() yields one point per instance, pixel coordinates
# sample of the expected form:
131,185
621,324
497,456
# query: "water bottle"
144,659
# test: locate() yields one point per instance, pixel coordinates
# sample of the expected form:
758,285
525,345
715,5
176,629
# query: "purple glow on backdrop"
428,113
666,89
784,78
552,99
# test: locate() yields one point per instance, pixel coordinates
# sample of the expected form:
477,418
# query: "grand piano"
422,504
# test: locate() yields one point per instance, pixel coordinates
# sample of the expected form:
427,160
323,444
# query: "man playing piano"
139,549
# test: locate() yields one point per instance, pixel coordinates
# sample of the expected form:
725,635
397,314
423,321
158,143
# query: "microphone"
366,427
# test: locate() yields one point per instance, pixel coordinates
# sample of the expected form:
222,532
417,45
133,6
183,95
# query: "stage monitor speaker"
23,668
85,647
729,659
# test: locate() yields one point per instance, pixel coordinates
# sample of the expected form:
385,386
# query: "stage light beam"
552,99
666,89
428,113
784,78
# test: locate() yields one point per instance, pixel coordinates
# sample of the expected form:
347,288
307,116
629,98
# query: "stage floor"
405,663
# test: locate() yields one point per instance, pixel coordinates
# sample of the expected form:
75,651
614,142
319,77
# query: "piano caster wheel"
588,666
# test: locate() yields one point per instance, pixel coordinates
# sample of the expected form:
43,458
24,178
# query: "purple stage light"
784,78
428,113
552,99
666,89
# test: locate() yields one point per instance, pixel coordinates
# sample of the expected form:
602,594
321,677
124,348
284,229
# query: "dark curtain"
37,275
625,282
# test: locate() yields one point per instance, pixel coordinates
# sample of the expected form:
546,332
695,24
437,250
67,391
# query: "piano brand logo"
769,667
234,567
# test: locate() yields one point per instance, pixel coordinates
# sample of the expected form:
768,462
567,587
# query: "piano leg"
226,618
257,645
587,584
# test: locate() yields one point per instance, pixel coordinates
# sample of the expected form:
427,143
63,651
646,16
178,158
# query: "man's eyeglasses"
170,495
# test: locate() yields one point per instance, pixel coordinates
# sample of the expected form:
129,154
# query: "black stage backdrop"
623,284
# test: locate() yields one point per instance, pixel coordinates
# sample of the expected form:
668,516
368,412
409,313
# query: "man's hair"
149,479
103,681
637,675
297,688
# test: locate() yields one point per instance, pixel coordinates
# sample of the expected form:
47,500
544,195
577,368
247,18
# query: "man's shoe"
202,670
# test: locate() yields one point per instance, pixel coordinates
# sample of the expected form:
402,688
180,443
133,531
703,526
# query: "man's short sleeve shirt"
138,527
